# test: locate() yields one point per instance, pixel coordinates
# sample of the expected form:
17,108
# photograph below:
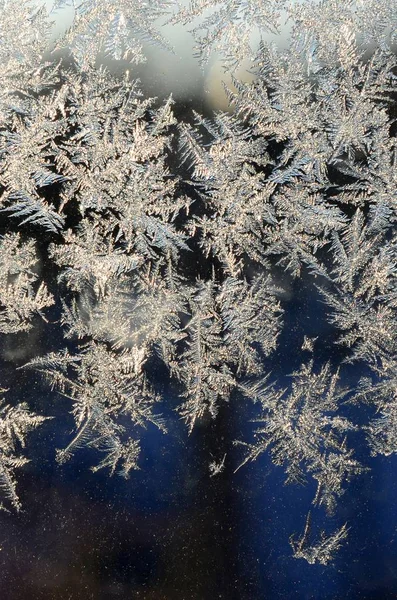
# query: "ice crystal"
176,242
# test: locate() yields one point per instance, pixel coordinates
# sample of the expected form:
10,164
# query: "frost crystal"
176,243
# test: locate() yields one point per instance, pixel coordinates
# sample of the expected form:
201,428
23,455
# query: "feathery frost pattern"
177,242
15,423
304,432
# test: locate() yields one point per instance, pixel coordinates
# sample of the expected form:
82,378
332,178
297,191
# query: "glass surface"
195,519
